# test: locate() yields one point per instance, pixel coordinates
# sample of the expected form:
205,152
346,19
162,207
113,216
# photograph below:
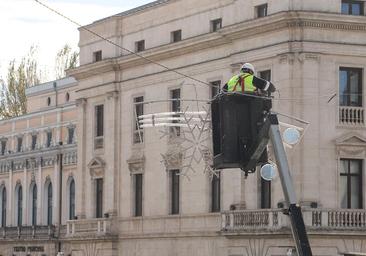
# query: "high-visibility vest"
241,83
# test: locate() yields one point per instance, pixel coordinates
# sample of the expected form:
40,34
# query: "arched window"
20,206
3,207
49,204
72,200
34,205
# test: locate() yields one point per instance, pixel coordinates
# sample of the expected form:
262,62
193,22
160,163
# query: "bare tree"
13,101
66,58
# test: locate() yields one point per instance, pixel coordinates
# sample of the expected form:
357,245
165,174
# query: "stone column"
25,195
40,188
80,175
55,190
10,206
111,145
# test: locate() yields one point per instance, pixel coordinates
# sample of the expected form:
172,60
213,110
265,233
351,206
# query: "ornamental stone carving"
351,145
136,164
96,166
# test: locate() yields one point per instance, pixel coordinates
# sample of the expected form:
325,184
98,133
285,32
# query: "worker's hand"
271,88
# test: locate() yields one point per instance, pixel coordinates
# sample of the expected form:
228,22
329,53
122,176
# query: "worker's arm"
263,84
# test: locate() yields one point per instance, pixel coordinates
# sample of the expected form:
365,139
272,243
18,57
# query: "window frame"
99,123
175,106
34,204
215,88
176,36
72,200
138,183
49,204
216,25
49,139
350,3
360,72
261,74
140,46
138,131
70,136
97,56
3,146
266,194
216,192
99,191
19,143
3,206
259,10
34,141
19,206
174,192
348,176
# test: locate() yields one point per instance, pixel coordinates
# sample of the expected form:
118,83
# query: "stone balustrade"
27,232
353,116
273,219
89,227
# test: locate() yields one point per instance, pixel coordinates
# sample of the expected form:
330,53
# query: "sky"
25,23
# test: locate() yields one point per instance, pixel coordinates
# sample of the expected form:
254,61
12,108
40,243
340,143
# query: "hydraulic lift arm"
270,131
294,211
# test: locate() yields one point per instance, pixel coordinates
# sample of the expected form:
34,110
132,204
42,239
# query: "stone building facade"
128,198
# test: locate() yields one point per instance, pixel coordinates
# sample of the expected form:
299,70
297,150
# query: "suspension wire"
119,46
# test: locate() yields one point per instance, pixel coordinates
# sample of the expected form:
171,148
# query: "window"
175,107
265,74
216,193
351,7
97,56
72,200
49,139
99,126
138,194
351,183
216,25
20,206
48,101
140,46
215,88
174,192
265,194
70,137
176,36
3,207
19,144
138,134
34,141
350,87
49,204
3,147
99,198
261,10
67,97
34,205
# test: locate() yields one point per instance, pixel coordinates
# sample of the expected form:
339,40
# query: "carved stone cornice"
96,167
80,102
327,25
112,95
136,164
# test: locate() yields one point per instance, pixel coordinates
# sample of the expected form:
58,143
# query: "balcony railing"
89,227
27,232
353,116
274,219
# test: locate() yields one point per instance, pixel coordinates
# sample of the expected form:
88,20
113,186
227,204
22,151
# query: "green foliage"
65,59
13,101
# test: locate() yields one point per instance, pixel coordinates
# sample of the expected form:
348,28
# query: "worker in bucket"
247,82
